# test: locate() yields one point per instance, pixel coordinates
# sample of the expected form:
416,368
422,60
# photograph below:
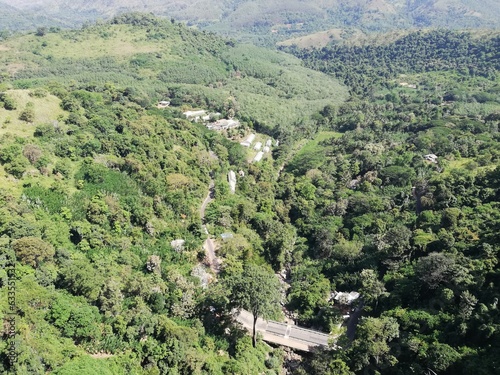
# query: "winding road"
209,245
273,332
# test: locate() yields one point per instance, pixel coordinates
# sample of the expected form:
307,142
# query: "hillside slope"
164,59
276,19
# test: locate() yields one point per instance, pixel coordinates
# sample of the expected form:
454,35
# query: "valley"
371,217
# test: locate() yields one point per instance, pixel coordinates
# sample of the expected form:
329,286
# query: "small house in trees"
345,298
231,177
163,104
226,236
431,157
258,157
248,142
195,115
178,245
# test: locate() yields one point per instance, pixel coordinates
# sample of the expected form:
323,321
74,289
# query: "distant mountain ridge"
277,17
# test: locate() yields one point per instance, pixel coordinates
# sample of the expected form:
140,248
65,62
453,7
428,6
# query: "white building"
195,115
345,298
258,157
257,146
224,124
266,149
431,157
248,142
231,178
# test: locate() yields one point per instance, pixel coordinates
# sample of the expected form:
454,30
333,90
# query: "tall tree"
257,290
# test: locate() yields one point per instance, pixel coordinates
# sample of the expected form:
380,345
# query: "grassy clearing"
268,86
10,184
313,144
463,164
310,154
47,109
316,40
117,42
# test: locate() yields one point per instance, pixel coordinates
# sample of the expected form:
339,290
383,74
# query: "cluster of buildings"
223,124
212,120
258,146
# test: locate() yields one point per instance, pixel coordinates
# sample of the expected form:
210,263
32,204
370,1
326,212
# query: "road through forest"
273,332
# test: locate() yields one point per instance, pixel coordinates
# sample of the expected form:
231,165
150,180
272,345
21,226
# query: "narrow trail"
209,244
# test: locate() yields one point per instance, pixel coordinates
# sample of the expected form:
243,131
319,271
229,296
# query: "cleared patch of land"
116,41
47,109
315,40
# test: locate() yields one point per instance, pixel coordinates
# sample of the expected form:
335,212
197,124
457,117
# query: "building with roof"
226,236
258,157
195,115
248,142
163,104
345,298
431,157
231,178
223,124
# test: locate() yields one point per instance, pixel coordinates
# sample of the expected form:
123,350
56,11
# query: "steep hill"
96,183
278,19
164,59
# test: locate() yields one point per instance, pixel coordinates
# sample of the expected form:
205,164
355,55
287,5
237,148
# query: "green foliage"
405,232
33,251
256,290
28,114
348,202
75,319
85,365
8,102
371,346
192,68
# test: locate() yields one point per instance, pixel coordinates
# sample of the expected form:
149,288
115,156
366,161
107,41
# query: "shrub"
33,250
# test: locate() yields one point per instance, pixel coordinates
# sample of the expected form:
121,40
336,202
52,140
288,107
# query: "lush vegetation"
365,67
267,21
158,59
417,239
97,182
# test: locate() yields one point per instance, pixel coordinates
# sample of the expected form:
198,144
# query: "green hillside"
398,198
160,59
270,21
387,184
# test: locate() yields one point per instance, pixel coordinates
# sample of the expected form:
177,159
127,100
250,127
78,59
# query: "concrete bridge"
285,334
273,332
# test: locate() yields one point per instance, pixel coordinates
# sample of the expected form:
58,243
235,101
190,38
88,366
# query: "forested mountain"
12,18
266,21
96,182
164,59
391,192
399,200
